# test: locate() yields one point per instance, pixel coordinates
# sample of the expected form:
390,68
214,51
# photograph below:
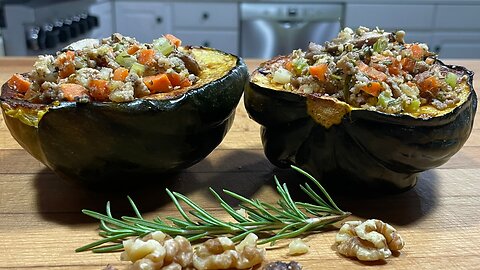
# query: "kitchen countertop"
41,223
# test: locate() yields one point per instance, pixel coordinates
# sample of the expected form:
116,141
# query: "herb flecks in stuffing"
370,69
118,69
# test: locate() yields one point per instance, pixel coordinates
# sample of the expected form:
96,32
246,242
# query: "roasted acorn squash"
107,141
350,147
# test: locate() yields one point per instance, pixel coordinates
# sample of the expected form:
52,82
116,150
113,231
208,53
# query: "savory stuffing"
369,69
117,69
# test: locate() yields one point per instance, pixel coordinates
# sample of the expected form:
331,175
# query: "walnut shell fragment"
368,241
293,265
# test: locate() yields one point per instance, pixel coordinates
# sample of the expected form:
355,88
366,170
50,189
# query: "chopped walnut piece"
368,241
248,253
221,253
297,247
178,250
158,251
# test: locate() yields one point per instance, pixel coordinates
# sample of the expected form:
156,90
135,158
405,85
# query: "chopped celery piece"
114,85
103,50
380,45
137,68
125,59
413,106
118,47
163,46
384,99
451,79
336,77
299,65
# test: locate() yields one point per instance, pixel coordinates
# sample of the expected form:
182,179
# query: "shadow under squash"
62,201
400,208
241,171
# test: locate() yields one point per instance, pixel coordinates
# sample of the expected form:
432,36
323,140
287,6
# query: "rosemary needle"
285,219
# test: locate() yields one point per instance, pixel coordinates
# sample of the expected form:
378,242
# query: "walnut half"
221,253
158,251
368,241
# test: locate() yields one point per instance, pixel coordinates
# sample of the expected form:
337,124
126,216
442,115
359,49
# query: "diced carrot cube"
19,83
417,52
133,49
408,64
158,83
99,89
178,80
373,88
174,40
66,64
146,57
72,91
185,83
371,72
66,70
69,55
120,74
319,71
394,68
429,87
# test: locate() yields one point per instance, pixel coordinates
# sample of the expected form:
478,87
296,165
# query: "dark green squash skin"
368,150
103,142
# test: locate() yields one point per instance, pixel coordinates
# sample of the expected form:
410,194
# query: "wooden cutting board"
41,223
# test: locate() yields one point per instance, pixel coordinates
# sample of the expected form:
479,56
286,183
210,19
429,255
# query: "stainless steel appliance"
269,29
46,26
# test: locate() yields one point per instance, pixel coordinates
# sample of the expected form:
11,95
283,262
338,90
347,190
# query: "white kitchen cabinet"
457,31
457,17
205,15
421,37
211,24
390,16
226,41
143,20
457,44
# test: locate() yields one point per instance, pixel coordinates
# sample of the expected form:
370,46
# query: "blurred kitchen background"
253,29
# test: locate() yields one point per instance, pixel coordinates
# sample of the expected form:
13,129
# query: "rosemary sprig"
272,222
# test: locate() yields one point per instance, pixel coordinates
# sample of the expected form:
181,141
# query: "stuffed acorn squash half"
113,109
365,110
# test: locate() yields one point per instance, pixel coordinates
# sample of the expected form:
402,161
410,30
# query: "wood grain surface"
41,223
